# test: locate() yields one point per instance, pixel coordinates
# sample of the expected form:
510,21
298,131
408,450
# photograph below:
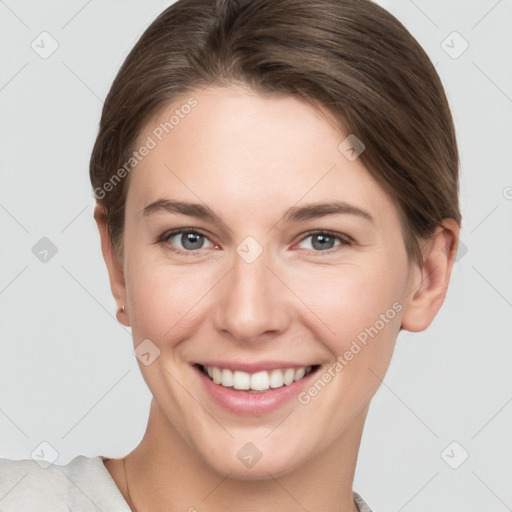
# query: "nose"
253,303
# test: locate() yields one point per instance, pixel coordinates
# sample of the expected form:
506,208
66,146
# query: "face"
291,261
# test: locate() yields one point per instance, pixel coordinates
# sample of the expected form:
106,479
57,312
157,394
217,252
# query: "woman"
277,197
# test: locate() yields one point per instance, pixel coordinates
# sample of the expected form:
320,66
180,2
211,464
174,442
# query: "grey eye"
321,241
187,239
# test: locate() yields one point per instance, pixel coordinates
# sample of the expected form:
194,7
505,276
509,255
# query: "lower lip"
252,404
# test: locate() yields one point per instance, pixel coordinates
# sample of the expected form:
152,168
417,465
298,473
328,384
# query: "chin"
249,463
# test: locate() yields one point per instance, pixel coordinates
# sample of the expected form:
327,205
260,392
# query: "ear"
428,286
114,268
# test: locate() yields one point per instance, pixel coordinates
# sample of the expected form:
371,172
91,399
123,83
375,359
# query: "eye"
324,241
187,241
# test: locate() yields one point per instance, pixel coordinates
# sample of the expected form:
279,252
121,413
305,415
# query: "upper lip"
253,367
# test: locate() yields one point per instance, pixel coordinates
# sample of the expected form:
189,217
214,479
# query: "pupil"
325,241
191,241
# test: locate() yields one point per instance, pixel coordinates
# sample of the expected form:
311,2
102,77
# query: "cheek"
164,300
362,307
359,302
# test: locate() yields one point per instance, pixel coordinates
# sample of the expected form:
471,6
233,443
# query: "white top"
83,485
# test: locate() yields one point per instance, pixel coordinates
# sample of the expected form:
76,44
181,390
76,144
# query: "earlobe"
428,286
114,267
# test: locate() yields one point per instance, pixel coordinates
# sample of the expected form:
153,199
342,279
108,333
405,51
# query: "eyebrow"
191,209
315,210
293,214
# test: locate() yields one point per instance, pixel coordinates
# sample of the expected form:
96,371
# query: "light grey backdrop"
68,376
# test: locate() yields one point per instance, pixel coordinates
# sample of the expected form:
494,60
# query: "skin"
249,158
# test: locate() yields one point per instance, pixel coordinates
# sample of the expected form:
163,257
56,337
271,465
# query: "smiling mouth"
258,382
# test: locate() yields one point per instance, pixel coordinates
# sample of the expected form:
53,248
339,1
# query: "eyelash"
344,239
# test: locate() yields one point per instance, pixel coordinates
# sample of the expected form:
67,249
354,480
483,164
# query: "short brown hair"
352,57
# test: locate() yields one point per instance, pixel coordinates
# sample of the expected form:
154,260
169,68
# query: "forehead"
238,149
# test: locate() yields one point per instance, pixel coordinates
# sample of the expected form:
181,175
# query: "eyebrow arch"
315,210
191,209
293,214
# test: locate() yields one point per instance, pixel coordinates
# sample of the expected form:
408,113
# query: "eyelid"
341,236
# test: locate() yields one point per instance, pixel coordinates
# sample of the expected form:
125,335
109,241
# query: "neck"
165,473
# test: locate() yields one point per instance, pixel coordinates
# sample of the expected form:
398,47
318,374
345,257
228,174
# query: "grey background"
68,376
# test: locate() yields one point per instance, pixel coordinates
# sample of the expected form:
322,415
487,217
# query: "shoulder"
83,484
362,506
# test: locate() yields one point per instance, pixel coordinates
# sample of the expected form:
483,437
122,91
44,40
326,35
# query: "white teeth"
217,375
259,381
227,377
288,376
276,379
299,374
241,380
